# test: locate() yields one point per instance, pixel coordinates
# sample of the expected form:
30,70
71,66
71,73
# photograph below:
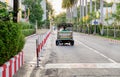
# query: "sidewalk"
29,68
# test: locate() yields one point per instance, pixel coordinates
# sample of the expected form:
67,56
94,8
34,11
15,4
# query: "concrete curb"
9,68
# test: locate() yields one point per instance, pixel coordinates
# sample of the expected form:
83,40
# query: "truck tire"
57,42
72,43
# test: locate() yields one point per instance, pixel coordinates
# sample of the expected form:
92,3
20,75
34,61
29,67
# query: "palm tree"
87,27
90,6
116,17
68,4
95,18
80,9
101,16
90,13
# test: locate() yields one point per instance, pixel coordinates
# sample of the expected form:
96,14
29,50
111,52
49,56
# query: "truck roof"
65,25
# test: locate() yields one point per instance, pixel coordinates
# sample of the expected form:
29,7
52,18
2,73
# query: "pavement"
29,68
91,56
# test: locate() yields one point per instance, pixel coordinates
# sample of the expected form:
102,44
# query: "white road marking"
111,60
82,65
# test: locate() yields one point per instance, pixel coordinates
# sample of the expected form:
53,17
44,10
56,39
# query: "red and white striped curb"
43,42
9,68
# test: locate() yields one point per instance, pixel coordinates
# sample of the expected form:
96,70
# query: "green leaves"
116,16
11,40
61,18
4,15
36,11
68,3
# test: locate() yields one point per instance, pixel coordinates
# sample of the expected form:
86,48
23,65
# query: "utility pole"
15,10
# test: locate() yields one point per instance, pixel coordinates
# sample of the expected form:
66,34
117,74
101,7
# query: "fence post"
37,52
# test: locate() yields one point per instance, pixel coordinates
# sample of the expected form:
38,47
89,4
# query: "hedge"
11,40
27,28
84,29
26,25
111,32
28,32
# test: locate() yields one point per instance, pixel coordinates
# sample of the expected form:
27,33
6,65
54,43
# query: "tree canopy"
4,14
36,11
68,3
61,18
98,4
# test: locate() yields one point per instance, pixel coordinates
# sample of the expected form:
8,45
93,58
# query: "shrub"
118,33
27,28
28,32
25,25
111,32
11,40
4,14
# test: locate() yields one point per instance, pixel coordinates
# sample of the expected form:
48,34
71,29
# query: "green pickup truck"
66,35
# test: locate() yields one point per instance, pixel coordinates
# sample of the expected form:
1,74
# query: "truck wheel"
57,43
72,43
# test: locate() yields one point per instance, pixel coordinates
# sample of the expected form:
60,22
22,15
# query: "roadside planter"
9,68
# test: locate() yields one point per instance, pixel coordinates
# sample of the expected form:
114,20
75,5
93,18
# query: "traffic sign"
96,22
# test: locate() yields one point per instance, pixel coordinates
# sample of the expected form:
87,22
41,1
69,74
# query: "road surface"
91,56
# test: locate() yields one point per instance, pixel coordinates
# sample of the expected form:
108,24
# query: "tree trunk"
95,19
90,13
15,8
86,15
71,13
101,16
80,14
114,31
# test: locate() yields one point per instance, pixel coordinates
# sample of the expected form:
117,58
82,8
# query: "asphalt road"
91,56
